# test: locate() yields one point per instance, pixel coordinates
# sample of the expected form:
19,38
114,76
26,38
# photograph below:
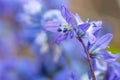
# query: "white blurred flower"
32,7
42,41
57,51
41,38
54,15
24,18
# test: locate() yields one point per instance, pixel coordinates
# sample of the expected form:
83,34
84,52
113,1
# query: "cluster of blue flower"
76,50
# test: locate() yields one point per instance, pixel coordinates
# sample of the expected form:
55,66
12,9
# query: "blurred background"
27,51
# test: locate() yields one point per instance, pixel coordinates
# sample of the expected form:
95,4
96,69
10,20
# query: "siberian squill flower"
66,29
100,57
98,48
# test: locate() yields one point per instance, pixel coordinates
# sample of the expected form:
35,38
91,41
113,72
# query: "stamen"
65,30
59,29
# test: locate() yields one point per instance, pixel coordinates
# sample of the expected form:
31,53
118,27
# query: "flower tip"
110,35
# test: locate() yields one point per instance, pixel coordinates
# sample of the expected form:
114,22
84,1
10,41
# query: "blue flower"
99,55
97,50
70,25
101,44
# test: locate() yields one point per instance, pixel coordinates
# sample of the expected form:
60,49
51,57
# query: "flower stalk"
89,59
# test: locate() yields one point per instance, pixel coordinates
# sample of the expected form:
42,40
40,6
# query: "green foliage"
113,49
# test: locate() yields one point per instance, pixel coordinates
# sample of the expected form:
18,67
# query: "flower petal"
100,65
95,26
107,56
78,19
84,26
101,43
52,26
60,37
96,31
67,15
91,38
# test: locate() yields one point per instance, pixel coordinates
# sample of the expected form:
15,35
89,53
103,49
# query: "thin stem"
89,59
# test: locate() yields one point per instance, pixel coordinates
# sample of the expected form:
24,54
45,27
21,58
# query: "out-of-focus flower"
53,15
54,4
17,69
7,48
33,7
9,8
41,40
113,71
30,19
73,76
